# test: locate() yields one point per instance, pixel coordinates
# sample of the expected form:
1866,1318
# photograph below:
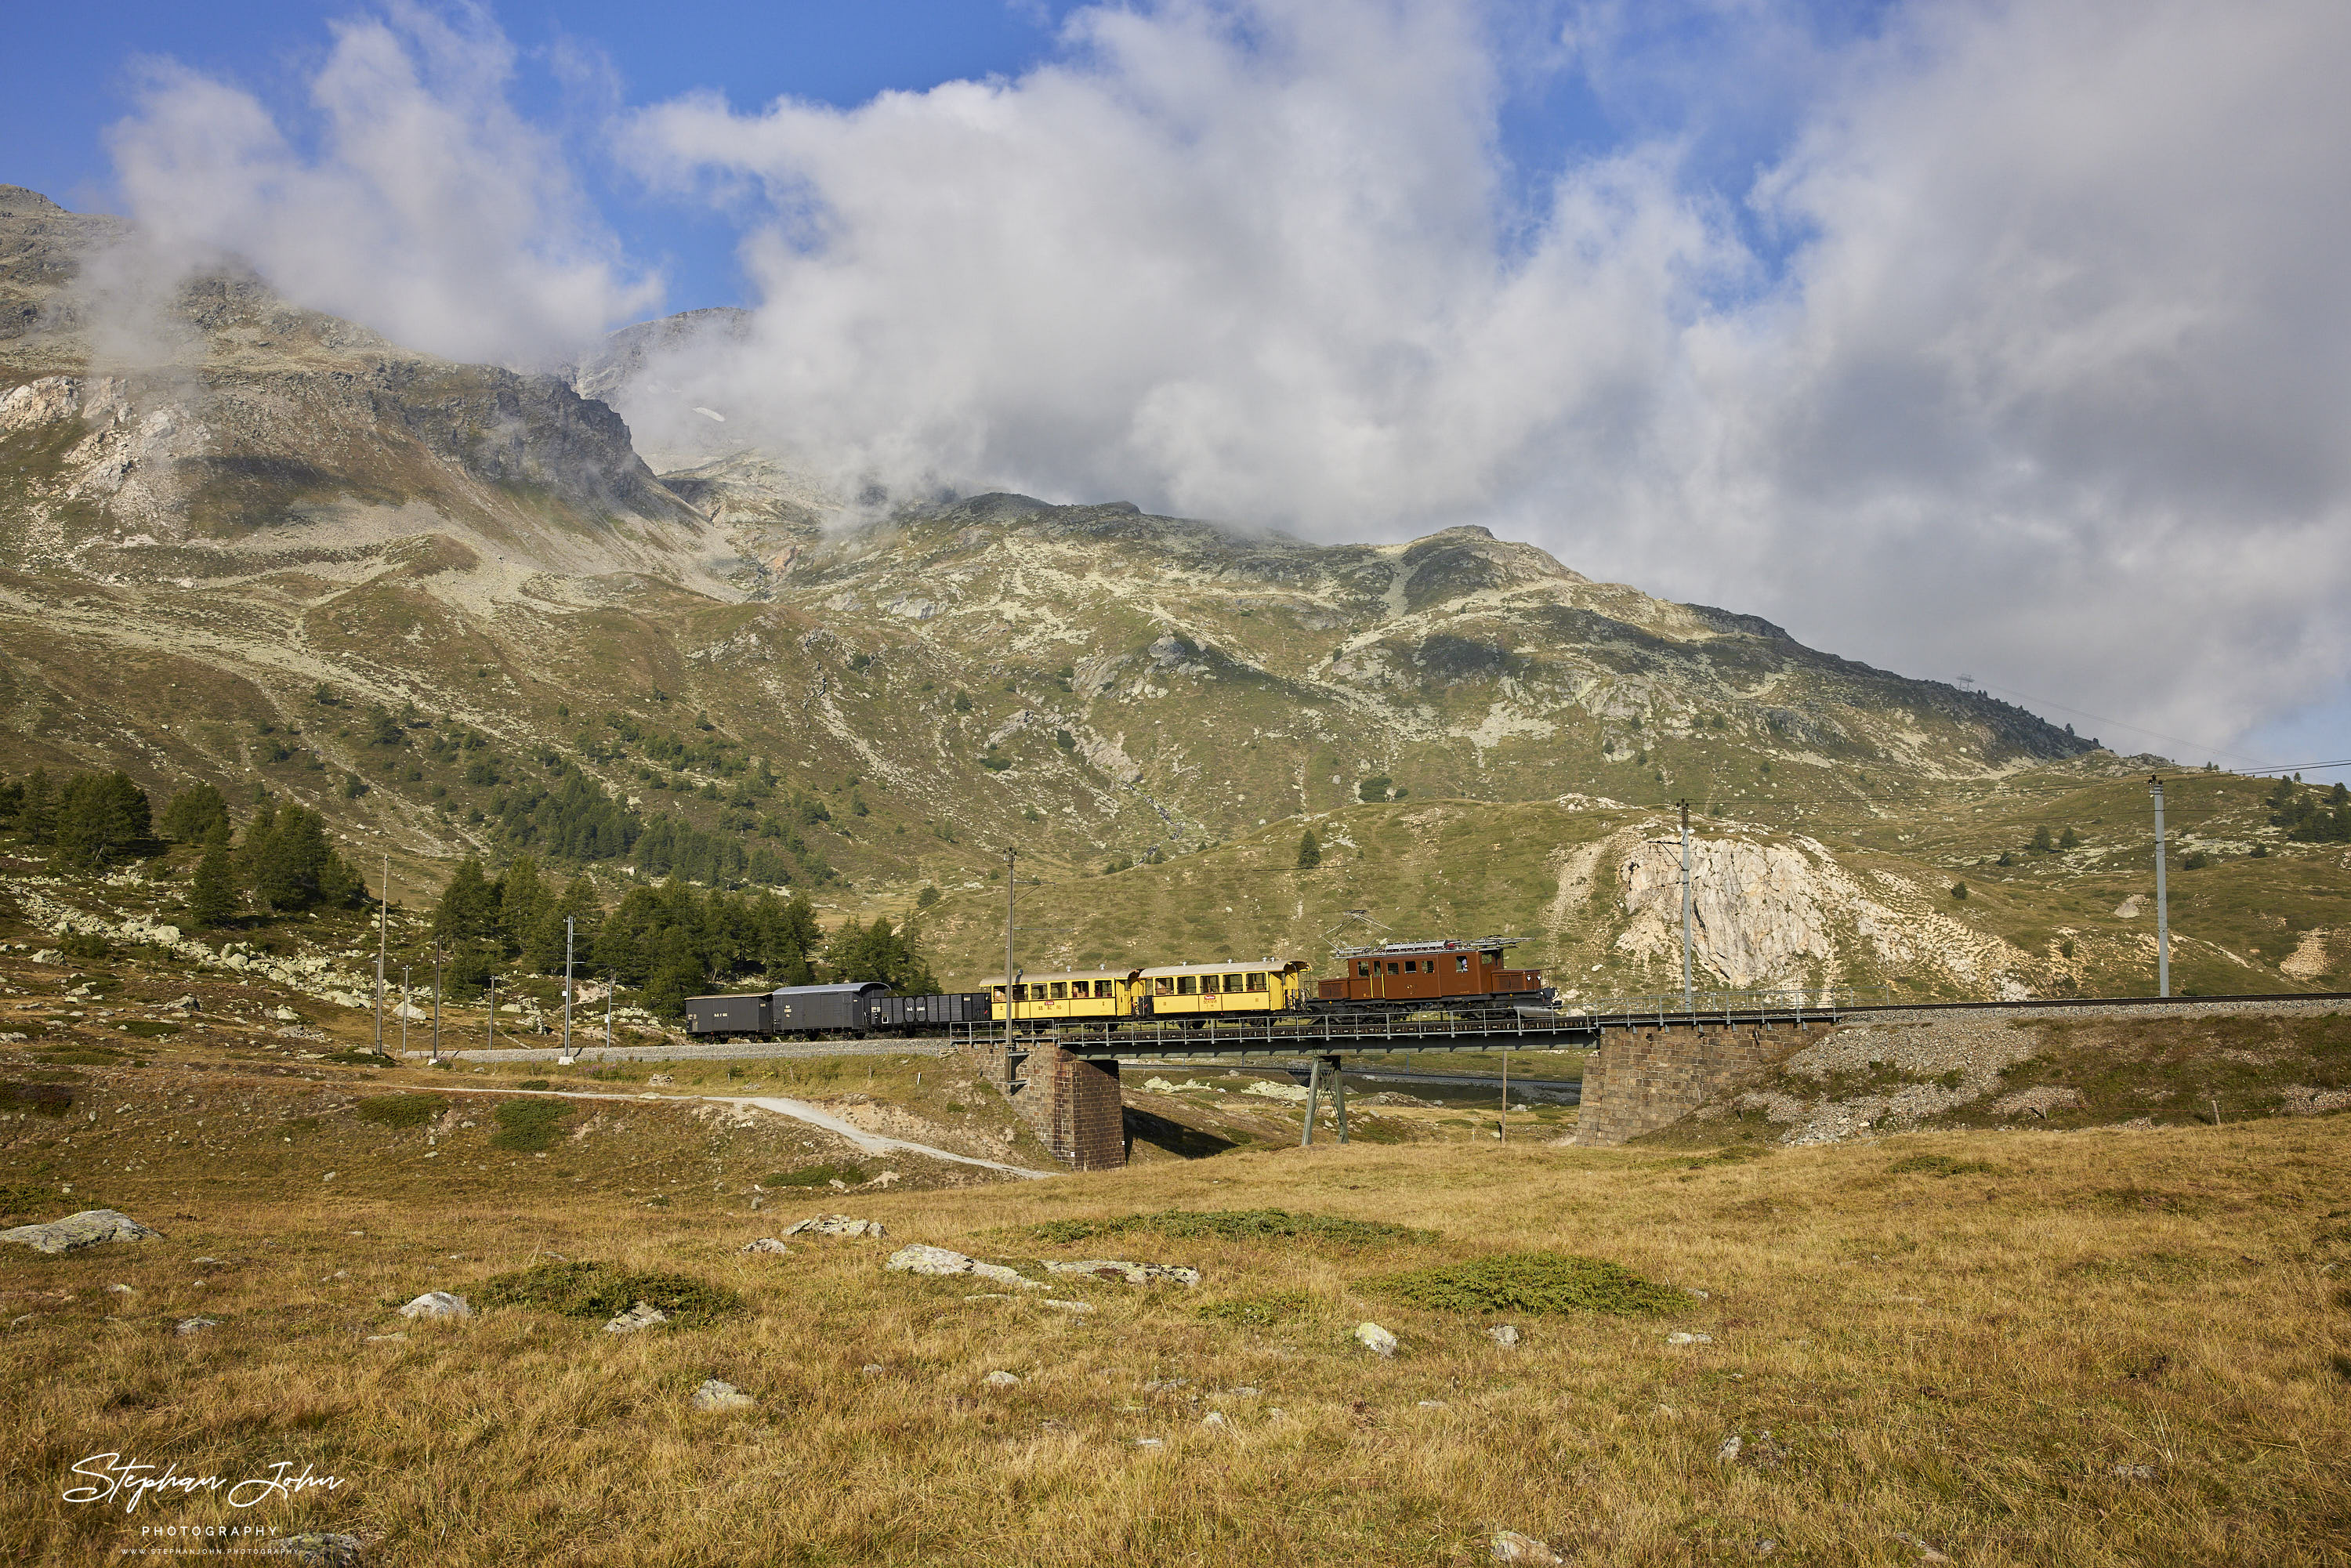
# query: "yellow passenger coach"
1169,990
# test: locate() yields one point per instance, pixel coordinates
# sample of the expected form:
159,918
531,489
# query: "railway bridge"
1063,1077
1653,1059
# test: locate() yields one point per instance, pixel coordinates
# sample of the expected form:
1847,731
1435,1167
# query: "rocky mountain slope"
252,544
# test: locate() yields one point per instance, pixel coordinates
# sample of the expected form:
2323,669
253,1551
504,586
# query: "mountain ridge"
298,559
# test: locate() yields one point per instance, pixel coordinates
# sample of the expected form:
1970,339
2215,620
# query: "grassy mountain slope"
420,597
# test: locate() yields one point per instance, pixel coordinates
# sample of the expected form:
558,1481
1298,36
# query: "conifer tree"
100,818
212,895
189,818
677,973
38,817
1310,852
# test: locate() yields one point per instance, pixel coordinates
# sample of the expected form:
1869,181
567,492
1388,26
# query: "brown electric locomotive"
1422,973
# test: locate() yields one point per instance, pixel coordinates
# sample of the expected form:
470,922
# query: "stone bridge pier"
1074,1103
1648,1077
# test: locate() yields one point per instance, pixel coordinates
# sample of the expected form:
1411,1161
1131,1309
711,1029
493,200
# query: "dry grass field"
2084,1347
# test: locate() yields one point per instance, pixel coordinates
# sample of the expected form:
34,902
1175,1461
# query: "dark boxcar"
932,1011
728,1015
796,1010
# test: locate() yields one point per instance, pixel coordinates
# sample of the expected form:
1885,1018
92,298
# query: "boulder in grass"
1504,1334
715,1396
1510,1546
838,1225
643,1315
767,1244
195,1325
437,1304
1131,1273
940,1262
76,1231
319,1549
1375,1339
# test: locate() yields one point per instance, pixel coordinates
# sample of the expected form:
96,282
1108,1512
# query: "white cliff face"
1779,913
1758,910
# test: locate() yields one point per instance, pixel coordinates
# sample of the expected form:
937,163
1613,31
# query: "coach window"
1257,982
1061,991
1188,984
999,998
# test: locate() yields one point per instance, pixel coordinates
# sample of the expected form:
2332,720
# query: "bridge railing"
1726,1006
1552,1027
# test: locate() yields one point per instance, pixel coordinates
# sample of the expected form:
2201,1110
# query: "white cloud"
2051,386
431,210
2053,390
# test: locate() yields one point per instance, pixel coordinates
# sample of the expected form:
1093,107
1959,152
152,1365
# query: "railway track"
1524,1029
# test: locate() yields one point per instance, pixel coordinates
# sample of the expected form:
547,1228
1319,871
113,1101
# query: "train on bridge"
1387,980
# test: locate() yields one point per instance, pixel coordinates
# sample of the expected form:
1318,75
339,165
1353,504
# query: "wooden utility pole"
1010,990
565,1054
382,937
1687,1004
2162,900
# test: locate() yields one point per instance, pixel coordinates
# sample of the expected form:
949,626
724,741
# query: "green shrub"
84,1056
533,1083
1237,1225
145,1029
603,1290
1263,1310
1553,1283
527,1126
815,1176
398,1109
357,1059
83,945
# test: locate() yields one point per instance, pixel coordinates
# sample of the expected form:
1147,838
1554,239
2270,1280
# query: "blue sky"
70,79
1955,335
1693,73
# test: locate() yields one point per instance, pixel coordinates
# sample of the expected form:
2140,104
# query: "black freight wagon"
729,1014
935,1011
800,1010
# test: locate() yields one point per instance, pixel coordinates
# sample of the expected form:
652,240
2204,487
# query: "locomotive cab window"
1362,971
1392,968
1461,964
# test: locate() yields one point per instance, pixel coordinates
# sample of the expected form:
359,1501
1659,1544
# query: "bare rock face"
197,415
90,1227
